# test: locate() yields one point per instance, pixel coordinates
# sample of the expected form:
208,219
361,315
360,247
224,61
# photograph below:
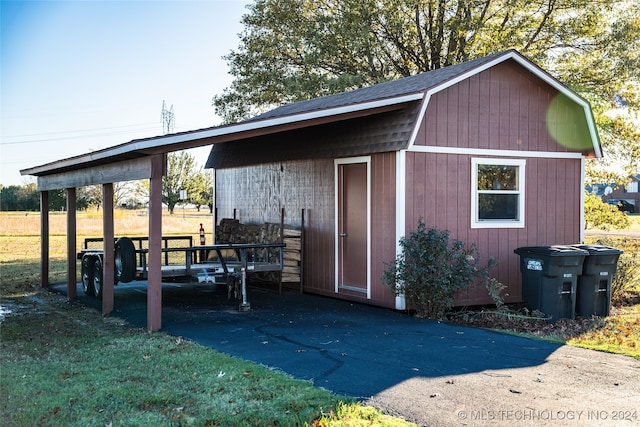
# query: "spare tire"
125,260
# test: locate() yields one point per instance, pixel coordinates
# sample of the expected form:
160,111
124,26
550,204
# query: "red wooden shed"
492,150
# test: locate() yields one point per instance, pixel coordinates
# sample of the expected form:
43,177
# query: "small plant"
495,288
431,269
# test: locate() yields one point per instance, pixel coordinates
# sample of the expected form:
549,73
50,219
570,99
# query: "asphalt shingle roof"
405,86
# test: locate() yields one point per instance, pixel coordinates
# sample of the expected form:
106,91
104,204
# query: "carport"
147,159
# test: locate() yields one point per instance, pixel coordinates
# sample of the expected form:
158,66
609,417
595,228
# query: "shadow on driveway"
347,348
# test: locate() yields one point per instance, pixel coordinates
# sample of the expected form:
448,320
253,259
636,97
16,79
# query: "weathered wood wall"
258,193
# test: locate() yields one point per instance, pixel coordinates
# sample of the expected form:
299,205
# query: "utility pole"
168,119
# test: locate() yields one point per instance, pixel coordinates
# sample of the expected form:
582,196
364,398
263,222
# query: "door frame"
337,163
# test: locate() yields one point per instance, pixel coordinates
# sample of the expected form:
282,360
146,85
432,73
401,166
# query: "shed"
491,149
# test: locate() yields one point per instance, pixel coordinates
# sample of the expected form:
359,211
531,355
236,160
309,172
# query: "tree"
92,195
202,191
291,50
19,198
182,174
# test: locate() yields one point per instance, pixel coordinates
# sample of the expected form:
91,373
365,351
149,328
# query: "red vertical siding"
500,108
552,216
383,220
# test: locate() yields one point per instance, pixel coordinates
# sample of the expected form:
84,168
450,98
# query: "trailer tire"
97,277
125,260
87,275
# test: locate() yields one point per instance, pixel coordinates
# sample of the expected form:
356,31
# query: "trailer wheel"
97,277
87,275
125,260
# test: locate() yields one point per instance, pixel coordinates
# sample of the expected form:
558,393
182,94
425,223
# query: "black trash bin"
594,284
549,278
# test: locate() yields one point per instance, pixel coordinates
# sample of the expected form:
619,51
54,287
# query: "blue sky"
77,76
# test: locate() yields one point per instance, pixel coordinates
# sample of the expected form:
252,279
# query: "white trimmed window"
497,193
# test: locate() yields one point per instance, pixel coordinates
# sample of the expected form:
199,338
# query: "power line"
146,125
62,138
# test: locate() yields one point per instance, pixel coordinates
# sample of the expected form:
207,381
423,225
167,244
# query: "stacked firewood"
292,256
233,231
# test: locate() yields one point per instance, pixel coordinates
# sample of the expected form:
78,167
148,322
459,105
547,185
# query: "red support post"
108,267
154,287
72,273
44,239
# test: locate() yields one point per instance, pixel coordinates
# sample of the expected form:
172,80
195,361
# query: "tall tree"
182,174
292,50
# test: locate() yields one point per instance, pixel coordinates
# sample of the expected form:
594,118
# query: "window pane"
497,177
498,206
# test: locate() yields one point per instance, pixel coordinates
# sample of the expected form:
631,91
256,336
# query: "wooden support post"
154,287
72,274
108,266
214,239
281,241
302,257
44,239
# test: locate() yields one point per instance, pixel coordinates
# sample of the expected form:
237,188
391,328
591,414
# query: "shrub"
626,280
431,269
604,216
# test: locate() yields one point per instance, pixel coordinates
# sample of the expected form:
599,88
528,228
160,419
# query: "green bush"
603,216
431,269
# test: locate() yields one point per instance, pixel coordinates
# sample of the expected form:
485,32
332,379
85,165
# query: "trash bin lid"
551,251
599,249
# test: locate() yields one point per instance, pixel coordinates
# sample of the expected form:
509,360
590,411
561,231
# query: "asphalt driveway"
429,372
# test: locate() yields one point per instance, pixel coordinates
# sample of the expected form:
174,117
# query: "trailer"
227,263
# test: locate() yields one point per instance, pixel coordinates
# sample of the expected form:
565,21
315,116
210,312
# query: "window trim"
498,223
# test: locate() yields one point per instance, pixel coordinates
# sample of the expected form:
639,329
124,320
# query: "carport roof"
380,98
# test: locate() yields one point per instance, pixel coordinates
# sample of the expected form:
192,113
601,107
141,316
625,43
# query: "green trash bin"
594,284
549,279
